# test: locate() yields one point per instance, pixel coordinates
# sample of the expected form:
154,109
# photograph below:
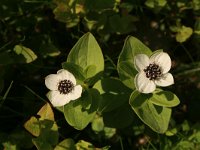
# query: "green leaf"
156,117
67,11
91,81
125,65
33,125
83,145
184,145
76,70
109,132
41,145
164,98
48,136
171,132
113,93
119,118
87,54
155,3
196,4
183,34
28,54
67,144
77,114
9,146
97,124
185,126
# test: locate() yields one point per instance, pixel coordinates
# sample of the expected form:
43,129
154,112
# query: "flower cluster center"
65,86
153,71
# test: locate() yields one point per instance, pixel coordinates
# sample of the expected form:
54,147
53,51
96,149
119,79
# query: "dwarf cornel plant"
111,99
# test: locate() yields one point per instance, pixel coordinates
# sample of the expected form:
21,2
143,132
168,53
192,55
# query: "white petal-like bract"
51,81
163,60
58,99
165,80
76,92
143,84
141,61
64,74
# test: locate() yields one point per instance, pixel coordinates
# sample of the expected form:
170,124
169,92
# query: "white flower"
63,88
152,71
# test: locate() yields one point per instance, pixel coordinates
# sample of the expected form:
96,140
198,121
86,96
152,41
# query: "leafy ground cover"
97,41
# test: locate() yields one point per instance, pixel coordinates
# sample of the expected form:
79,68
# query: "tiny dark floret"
153,71
65,86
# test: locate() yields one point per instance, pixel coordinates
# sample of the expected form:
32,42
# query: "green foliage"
67,144
182,33
79,113
28,54
156,117
155,4
125,65
44,128
113,94
102,16
85,53
164,98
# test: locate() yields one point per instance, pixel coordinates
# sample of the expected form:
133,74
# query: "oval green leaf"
28,54
156,117
87,54
77,114
67,144
164,98
76,70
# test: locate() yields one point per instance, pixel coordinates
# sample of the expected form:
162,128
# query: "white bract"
62,87
152,71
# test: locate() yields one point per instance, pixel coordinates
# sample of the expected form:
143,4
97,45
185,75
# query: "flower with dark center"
152,71
63,88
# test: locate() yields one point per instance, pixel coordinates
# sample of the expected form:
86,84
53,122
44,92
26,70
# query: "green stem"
121,143
5,95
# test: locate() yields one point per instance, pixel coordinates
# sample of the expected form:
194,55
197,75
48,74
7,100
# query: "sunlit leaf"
28,54
155,3
34,124
67,144
84,145
156,117
164,98
97,124
87,54
78,113
183,34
